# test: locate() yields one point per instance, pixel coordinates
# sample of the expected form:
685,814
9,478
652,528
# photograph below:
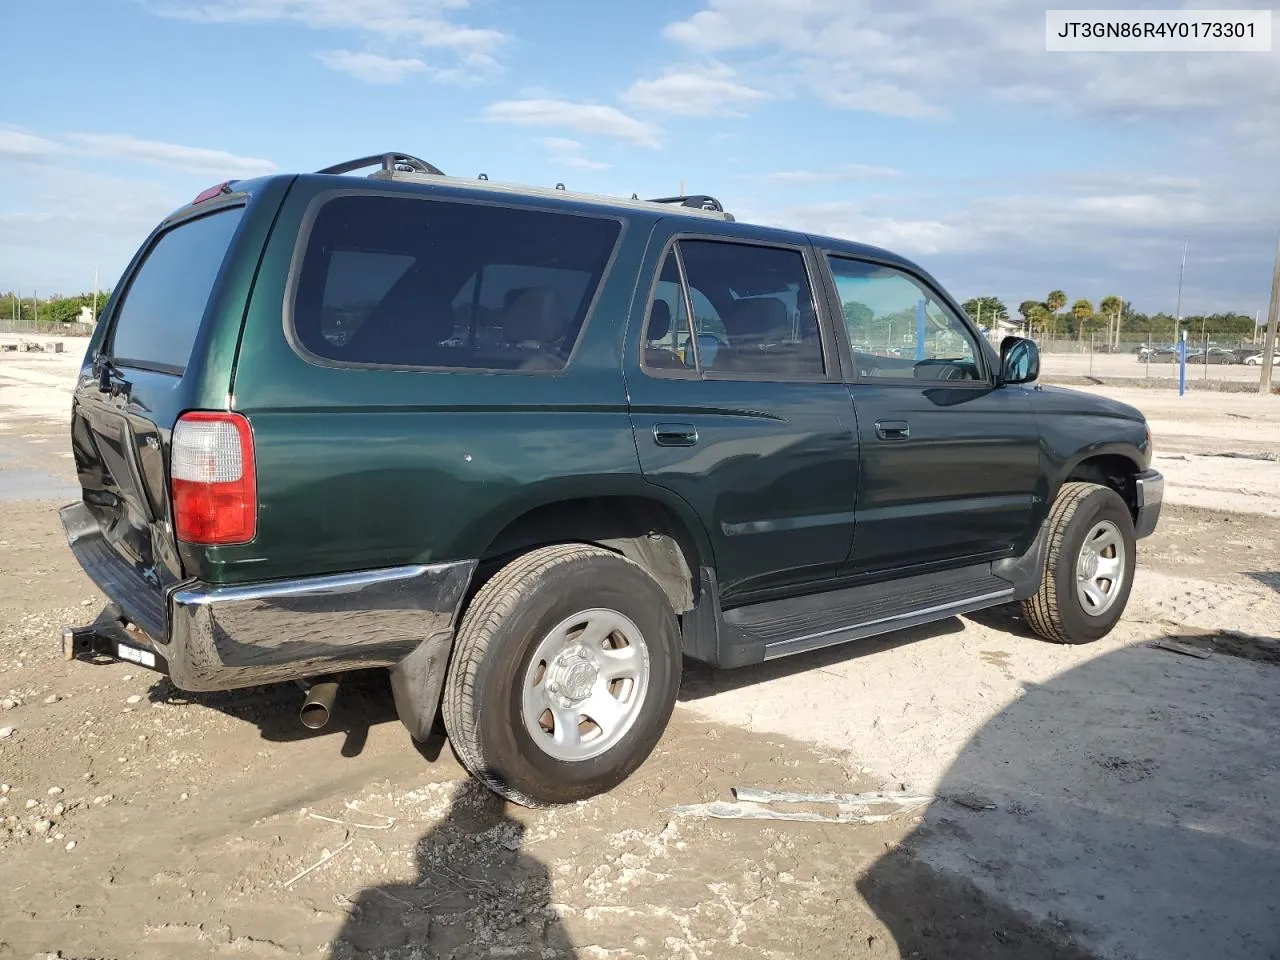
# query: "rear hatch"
129,396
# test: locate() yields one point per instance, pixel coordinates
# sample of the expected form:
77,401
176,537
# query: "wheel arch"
1115,466
663,537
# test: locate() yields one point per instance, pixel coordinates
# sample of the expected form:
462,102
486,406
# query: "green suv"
528,449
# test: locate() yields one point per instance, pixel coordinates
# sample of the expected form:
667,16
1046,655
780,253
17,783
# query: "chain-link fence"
45,329
1223,362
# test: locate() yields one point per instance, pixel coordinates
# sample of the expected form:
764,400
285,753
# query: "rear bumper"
225,637
1150,496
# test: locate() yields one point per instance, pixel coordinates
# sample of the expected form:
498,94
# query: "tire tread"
492,604
1043,611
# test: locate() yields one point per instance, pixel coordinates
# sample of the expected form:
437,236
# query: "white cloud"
371,67
18,143
193,159
407,24
694,91
851,221
568,153
1092,234
915,60
848,173
70,220
587,118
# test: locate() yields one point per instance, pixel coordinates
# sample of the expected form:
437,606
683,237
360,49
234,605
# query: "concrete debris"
754,795
743,810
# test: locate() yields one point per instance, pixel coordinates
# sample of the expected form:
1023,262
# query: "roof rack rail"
699,201
389,162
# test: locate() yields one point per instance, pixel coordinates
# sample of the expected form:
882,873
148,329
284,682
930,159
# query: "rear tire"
587,615
1089,565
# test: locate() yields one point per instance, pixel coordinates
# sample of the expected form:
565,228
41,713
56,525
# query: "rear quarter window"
156,324
411,282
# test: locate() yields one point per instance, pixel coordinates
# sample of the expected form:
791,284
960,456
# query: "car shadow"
1266,578
363,702
475,892
1128,808
1007,619
702,680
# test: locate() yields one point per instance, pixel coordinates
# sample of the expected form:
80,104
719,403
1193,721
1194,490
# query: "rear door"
130,393
950,461
738,407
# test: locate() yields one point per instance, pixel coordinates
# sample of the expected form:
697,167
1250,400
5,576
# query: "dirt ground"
1116,800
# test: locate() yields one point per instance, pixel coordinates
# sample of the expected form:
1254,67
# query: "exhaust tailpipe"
318,705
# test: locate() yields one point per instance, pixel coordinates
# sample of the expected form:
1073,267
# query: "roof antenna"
559,186
483,176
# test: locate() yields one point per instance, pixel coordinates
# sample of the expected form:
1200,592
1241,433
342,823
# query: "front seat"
749,326
533,319
660,356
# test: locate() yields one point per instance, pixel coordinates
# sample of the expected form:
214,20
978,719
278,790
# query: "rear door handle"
893,429
675,434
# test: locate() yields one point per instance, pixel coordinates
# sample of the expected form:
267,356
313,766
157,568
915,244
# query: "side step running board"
798,624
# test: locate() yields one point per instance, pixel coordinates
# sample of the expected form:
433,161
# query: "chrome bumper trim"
225,637
1150,496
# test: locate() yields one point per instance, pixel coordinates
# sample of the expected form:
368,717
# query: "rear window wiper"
110,380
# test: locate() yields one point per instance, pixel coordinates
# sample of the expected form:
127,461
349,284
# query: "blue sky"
941,130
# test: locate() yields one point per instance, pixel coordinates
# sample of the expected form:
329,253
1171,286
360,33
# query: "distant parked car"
1219,355
1255,360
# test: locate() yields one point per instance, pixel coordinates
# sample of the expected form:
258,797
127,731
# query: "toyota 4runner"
528,449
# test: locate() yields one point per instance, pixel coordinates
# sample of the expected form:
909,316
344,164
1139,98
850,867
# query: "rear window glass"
401,281
157,323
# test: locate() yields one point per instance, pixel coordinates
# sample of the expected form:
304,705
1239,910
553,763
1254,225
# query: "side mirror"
1019,360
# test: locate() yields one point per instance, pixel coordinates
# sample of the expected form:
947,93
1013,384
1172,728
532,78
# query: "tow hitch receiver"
110,636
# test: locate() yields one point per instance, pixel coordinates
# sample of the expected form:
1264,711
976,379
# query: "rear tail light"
215,497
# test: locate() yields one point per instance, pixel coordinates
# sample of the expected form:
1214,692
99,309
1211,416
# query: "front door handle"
675,434
893,429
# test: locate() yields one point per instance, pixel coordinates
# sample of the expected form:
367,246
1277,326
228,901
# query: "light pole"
1177,320
1273,313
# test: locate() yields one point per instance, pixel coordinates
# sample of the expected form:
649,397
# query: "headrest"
758,316
659,320
533,315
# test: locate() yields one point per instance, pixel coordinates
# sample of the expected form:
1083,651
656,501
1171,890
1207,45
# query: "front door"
950,460
738,408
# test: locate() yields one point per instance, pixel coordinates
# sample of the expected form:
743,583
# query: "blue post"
919,330
1182,364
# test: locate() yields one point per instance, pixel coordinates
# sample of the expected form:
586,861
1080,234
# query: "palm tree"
1040,317
1082,310
1054,302
1028,309
1111,306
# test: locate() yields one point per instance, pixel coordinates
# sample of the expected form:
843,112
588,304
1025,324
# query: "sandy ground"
1127,794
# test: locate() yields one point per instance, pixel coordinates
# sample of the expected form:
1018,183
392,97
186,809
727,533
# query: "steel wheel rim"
1100,568
585,685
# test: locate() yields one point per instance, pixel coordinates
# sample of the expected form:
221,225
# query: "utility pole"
1177,320
35,305
1273,313
93,305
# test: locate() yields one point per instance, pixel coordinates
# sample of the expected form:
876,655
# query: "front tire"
563,676
1089,566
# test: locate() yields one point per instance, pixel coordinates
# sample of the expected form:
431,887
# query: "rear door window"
403,281
155,326
753,313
